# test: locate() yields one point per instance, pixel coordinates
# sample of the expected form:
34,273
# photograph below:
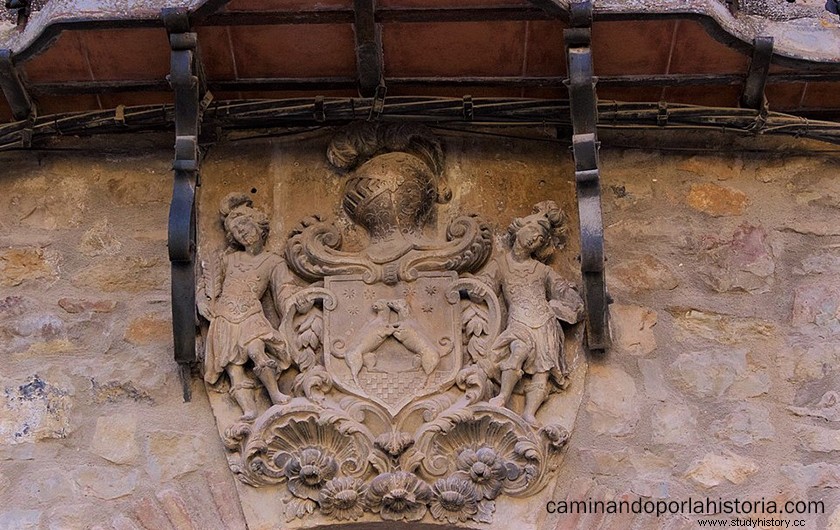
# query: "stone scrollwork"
413,371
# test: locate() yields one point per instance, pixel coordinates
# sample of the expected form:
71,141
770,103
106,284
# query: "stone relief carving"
409,356
239,330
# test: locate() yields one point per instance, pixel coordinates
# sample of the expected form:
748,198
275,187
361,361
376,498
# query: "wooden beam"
315,84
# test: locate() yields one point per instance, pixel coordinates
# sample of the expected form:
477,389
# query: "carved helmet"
395,175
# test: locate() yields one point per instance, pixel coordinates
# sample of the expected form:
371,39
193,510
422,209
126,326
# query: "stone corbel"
186,80
584,112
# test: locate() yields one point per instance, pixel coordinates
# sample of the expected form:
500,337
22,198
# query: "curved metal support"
14,89
583,104
182,235
753,95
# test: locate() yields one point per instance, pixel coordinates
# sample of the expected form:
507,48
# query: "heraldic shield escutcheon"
393,343
397,365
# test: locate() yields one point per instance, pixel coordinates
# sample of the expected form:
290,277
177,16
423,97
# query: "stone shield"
393,343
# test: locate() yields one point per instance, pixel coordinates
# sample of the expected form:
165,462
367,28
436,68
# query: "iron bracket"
15,91
583,105
369,62
753,95
187,80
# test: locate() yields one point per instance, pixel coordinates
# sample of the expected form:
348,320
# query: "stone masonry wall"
725,271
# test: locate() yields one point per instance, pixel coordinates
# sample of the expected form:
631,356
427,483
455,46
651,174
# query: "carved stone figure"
538,299
393,348
239,330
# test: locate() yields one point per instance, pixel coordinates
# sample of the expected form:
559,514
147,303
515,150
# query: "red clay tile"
546,55
286,5
59,104
631,47
63,61
216,53
453,49
822,96
695,52
636,94
322,50
784,96
129,99
715,96
128,54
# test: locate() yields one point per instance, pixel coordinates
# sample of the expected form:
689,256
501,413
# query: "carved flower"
484,468
398,496
309,471
394,443
454,500
343,498
557,435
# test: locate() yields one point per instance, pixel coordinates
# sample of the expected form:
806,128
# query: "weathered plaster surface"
722,383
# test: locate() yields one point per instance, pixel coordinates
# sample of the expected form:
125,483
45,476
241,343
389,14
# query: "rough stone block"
613,403
717,201
714,469
633,329
115,438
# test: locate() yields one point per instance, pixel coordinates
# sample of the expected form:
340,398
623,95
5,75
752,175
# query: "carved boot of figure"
535,393
242,390
266,369
509,379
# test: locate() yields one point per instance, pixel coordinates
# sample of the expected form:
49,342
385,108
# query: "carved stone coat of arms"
405,380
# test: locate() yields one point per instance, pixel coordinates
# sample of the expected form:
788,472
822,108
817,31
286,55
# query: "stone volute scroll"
428,374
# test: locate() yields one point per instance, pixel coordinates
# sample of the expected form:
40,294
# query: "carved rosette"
334,460
396,407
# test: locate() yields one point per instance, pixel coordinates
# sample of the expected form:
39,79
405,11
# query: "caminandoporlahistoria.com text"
690,506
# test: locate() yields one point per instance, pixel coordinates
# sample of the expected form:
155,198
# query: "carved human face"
246,231
531,237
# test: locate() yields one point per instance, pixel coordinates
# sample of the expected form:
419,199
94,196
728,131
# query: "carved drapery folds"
414,370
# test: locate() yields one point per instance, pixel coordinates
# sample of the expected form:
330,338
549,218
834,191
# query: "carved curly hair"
236,205
551,218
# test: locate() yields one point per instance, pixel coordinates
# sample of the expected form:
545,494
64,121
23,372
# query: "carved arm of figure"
564,299
210,287
283,286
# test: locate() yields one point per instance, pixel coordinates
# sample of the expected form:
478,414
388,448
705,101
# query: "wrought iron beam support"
14,89
759,71
186,80
369,63
583,105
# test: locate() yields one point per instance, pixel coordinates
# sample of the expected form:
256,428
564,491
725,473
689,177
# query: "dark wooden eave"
122,58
